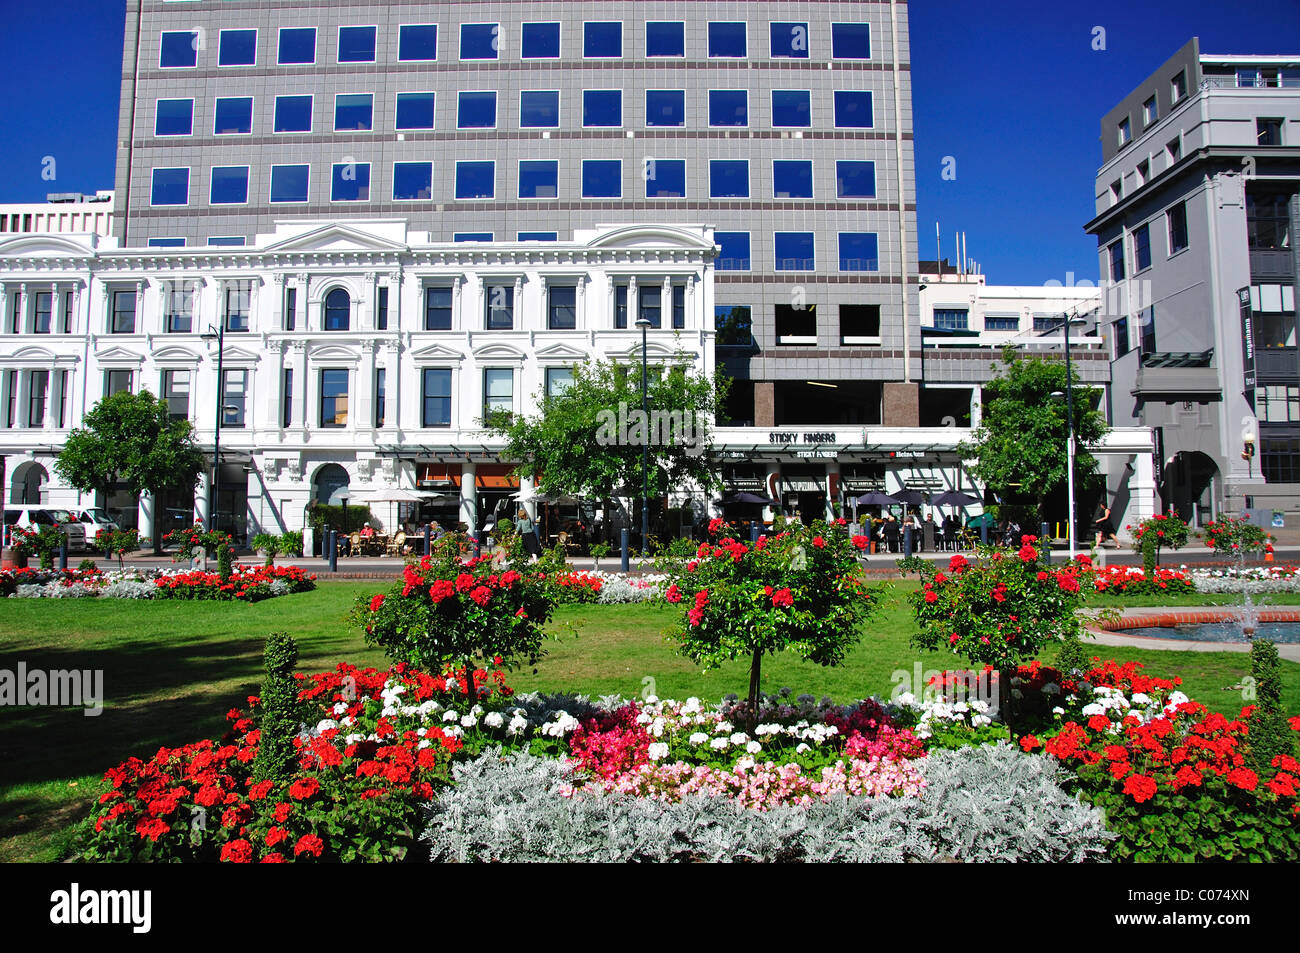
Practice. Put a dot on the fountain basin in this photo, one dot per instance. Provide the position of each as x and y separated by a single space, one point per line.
1280 632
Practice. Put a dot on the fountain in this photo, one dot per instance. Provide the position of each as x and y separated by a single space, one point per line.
1249 614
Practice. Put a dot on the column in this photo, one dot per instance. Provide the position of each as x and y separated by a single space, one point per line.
365 387
53 396
580 319
458 293
832 488
633 308
666 303
20 322
145 519
976 406
526 487
393 380
1142 490
201 495
468 501
542 321
4 308
366 307
691 318
298 351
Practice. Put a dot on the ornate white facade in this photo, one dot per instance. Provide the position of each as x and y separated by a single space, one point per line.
361 346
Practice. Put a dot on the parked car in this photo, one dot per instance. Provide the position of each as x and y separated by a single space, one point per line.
32 517
92 521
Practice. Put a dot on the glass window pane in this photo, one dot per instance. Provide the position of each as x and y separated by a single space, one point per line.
499 307
174 117
794 251
539 108
665 107
170 187
853 109
665 38
418 42
334 398
791 107
562 308
351 182
356 44
728 107
729 178
297 45
179 49
476 110
414 111
727 39
293 113
478 41
602 40
233 116
540 41
238 48
858 251
733 251
537 236
412 181
602 107
539 179
437 309
475 180
855 179
602 178
558 380
229 185
289 183
851 41
665 178
789 40
353 112
792 179
436 393
338 311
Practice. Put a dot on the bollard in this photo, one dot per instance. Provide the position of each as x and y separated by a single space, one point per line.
332 541
428 539
753 534
63 553
907 542
984 532
624 535
477 549
1045 541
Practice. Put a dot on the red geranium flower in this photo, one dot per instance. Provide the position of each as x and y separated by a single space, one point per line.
308 844
1140 788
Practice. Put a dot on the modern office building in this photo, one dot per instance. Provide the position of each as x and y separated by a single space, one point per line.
1197 213
786 127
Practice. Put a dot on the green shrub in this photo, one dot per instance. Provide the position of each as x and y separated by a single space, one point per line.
269 544
87 565
225 562
281 711
1270 732
291 542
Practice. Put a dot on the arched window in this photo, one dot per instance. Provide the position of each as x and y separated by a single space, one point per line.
331 484
338 310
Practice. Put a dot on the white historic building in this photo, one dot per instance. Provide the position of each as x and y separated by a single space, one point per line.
356 359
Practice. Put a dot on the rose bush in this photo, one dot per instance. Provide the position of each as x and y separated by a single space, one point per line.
801 590
1155 533
1236 535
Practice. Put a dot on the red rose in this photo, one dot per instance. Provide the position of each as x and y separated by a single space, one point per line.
860 542
376 602
819 543
930 596
673 594
782 597
482 595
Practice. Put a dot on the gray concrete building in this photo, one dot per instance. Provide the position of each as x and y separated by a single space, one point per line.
787 127
1197 213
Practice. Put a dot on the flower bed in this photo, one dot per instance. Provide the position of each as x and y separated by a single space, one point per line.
1255 579
246 583
1131 580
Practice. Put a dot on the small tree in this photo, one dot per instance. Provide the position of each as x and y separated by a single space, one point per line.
801 590
1156 533
117 543
131 439
269 544
1270 731
1022 437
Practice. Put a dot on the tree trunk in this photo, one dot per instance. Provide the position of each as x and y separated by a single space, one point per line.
755 668
470 693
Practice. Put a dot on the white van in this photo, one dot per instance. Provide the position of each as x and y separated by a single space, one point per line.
92 521
33 517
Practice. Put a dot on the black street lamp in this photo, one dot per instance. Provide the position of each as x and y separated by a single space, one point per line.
214 488
644 324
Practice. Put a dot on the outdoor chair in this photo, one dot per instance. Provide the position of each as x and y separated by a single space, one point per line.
354 544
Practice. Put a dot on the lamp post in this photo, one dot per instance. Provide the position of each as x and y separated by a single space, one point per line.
214 488
1067 322
644 324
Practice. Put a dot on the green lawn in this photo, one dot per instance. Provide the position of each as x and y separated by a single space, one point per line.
172 670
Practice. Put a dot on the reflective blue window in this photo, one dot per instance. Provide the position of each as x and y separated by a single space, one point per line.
851 41
222 241
853 109
728 107
733 253
727 39
665 178
602 40
354 112
791 107
602 178
356 44
174 117
475 180
540 41
855 179
789 40
794 251
792 179
238 48
539 108
471 236
858 251
539 179
233 116
602 107
289 183
665 38
179 49
229 185
729 178
414 111
297 45
418 42
350 182
478 41
170 187
476 110
293 113
166 243
412 181
538 236
665 107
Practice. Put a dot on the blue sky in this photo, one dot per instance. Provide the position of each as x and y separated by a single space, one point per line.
1012 90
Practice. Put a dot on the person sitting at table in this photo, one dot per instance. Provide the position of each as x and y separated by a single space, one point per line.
367 531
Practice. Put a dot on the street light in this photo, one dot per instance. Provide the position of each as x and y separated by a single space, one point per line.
644 324
214 488
1067 322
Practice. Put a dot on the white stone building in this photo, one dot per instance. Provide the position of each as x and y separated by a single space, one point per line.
356 358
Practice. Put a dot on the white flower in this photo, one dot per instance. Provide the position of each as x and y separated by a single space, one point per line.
494 719
744 764
658 751
1140 698
517 725
450 715
340 708
469 721
643 719
801 748
1058 710
652 699
719 743
907 700
753 747
739 738
699 738
1093 709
